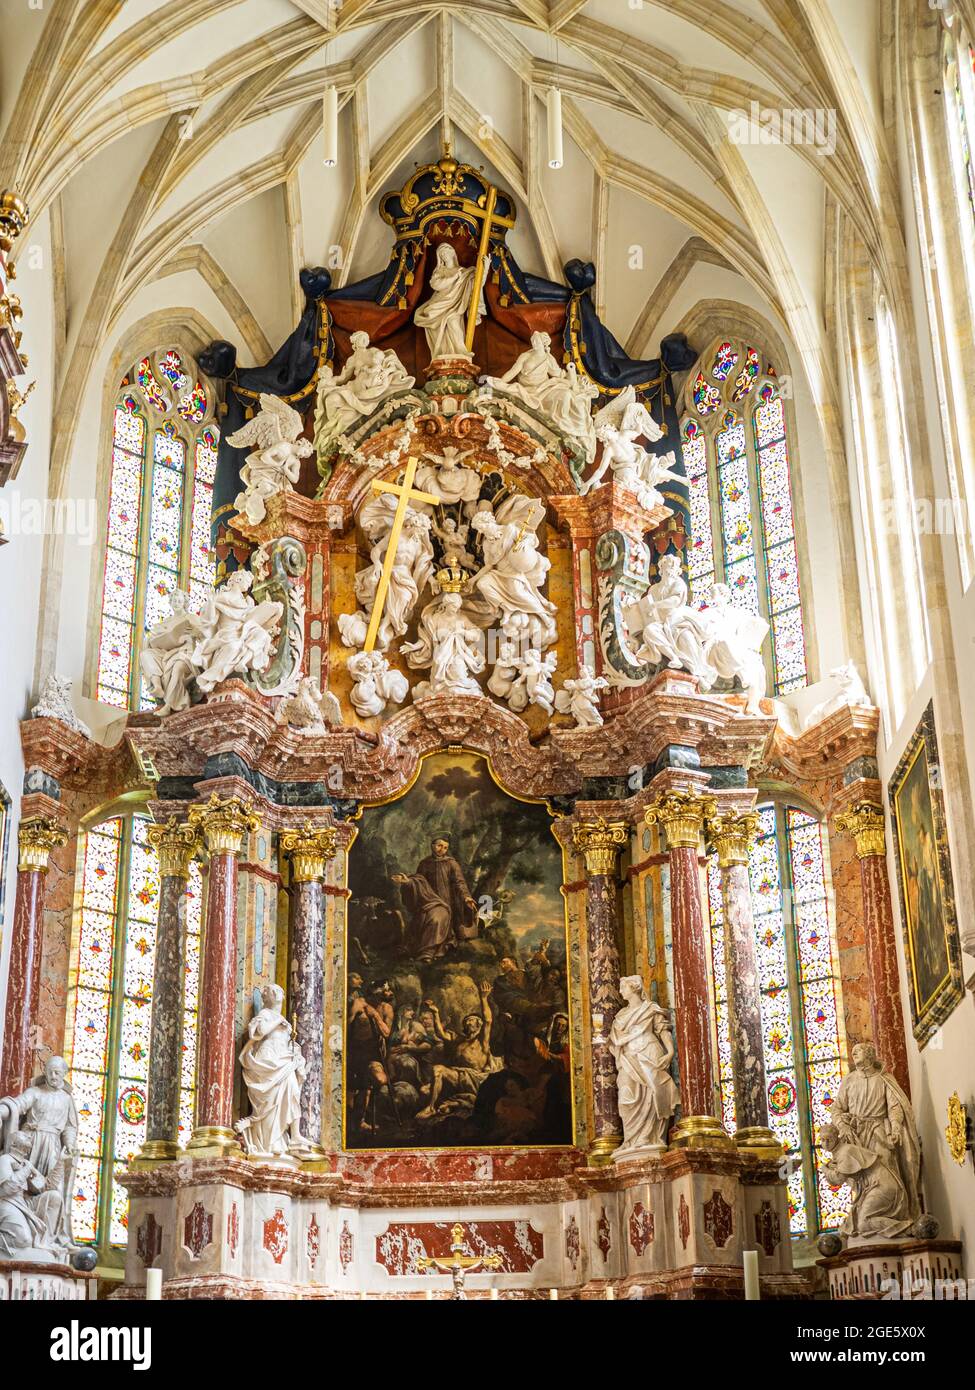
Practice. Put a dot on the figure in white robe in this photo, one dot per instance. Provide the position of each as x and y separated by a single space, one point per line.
580 698
450 645
369 375
23 1232
559 393
669 630
733 645
274 466
273 1069
513 575
643 1048
410 575
533 685
443 317
46 1118
168 667
239 632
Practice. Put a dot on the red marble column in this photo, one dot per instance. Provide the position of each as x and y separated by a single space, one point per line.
223 825
600 842
865 822
681 815
309 851
176 843
731 835
36 839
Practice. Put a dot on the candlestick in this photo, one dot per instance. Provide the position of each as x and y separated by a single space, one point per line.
610 1293
752 1286
153 1285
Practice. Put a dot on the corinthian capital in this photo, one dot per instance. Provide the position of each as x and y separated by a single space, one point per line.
865 822
681 816
600 841
35 840
309 850
732 834
224 823
176 842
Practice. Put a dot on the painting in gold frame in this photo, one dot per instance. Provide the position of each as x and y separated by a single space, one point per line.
931 942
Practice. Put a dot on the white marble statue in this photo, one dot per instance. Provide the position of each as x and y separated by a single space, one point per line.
273 1069
875 1149
167 657
39 1135
23 1233
310 710
579 698
275 463
533 684
668 628
618 425
369 375
513 574
449 645
377 685
453 543
55 703
443 317
642 1045
411 573
559 393
238 632
851 692
444 476
733 645
505 671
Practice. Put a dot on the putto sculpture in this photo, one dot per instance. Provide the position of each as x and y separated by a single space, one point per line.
275 464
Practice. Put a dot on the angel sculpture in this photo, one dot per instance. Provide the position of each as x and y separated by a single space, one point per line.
580 698
376 684
274 465
448 644
369 375
310 710
618 426
534 683
445 477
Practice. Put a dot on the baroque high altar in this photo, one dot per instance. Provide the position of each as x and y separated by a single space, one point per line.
452 745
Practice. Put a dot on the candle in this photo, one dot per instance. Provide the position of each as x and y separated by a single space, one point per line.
153 1285
429 1295
610 1293
750 1260
494 1295
553 1295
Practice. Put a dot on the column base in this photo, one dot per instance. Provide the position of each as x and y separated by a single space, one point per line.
213 1141
758 1141
601 1150
701 1132
155 1151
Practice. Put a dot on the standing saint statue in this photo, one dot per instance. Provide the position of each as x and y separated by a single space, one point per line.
643 1048
39 1132
273 1069
443 317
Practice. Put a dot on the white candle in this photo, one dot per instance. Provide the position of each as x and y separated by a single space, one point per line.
494 1295
610 1293
553 1295
752 1289
554 112
153 1285
330 127
429 1295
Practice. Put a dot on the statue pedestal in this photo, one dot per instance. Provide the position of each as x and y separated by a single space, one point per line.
19 1279
918 1268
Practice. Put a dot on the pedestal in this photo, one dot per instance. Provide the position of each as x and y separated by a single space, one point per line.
897 1269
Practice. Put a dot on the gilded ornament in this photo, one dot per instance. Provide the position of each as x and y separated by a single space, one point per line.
732 834
309 850
956 1131
35 840
14 216
176 842
600 841
865 822
682 816
224 823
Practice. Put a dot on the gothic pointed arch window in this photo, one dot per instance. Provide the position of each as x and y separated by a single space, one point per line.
735 437
800 1000
109 1016
164 455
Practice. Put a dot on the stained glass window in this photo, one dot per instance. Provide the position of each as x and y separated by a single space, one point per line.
799 991
959 92
110 1013
735 443
164 453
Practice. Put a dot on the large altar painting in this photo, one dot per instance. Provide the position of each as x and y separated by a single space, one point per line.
931 938
457 1019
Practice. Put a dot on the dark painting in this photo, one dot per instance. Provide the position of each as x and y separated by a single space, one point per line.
457 1026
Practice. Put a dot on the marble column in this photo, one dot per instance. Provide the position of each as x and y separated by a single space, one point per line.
865 822
600 842
36 839
176 843
731 834
223 825
309 850
681 816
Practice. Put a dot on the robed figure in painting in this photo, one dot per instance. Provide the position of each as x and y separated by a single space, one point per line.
439 902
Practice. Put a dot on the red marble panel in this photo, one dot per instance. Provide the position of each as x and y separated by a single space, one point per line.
402 1244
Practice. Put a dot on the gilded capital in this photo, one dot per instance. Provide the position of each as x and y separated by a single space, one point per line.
682 816
176 842
600 841
35 840
224 823
732 834
309 850
865 822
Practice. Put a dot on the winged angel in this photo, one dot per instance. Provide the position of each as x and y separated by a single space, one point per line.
274 465
618 426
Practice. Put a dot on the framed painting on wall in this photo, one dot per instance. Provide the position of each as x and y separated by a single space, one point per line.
931 941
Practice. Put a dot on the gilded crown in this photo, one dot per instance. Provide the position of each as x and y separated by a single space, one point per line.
452 579
447 188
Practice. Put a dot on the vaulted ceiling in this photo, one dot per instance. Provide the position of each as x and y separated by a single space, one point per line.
166 137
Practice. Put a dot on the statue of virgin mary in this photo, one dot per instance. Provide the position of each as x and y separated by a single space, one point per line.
443 317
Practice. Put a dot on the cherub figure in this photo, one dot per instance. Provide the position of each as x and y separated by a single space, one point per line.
580 698
618 426
275 464
310 710
533 685
376 684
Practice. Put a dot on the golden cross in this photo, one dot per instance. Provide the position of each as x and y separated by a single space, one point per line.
404 491
487 217
459 1264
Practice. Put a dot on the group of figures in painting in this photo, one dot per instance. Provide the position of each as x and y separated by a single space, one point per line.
457 1019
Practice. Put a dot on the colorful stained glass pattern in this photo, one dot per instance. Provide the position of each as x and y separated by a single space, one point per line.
706 397
725 361
700 554
719 978
745 380
734 500
161 491
778 533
